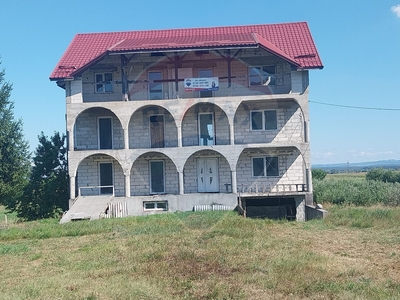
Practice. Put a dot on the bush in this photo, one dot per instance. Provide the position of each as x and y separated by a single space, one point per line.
352 191
383 175
318 174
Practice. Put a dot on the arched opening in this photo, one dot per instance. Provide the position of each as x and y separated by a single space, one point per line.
205 124
98 128
152 127
207 171
267 121
99 174
153 173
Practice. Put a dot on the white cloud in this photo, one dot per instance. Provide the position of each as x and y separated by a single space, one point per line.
396 10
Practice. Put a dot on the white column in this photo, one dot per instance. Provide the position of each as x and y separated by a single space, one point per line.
126 138
71 140
72 187
179 128
232 133
181 189
127 185
234 182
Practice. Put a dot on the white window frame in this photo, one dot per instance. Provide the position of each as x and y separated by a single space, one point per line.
150 185
98 132
262 111
213 124
162 86
264 81
156 204
265 171
103 83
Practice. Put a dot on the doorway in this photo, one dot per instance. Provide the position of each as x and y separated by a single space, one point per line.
207 175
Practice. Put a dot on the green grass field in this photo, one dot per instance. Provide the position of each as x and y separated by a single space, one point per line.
352 254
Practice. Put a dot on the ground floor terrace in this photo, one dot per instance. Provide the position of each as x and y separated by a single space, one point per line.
182 179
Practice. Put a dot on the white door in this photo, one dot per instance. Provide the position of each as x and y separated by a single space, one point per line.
207 175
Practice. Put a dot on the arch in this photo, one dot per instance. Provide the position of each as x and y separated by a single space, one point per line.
291 167
89 173
150 169
190 125
140 128
289 121
86 129
192 167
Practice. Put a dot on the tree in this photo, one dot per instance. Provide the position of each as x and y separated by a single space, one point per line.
318 174
46 194
14 150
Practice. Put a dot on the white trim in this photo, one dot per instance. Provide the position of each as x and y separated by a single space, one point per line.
198 127
263 119
155 206
264 167
98 132
103 82
151 188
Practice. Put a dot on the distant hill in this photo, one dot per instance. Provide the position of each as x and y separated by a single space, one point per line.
359 167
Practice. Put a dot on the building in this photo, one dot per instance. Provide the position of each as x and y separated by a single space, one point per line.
183 119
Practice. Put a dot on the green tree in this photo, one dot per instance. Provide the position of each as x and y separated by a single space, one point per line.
14 149
318 174
46 194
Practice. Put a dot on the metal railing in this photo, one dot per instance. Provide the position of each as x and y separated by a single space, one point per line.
96 190
273 189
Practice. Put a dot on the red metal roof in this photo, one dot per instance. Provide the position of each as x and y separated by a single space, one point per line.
290 41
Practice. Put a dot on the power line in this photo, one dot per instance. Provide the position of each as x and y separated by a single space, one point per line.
356 107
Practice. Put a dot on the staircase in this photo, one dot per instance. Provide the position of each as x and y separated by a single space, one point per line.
87 208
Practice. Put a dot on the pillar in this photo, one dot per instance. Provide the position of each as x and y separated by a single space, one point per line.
234 182
72 187
127 184
126 138
181 189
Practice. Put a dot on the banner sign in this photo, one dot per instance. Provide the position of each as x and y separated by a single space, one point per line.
201 84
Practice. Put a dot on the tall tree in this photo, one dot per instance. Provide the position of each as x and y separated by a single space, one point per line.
46 194
14 152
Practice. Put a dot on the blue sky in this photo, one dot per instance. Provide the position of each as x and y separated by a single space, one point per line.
358 41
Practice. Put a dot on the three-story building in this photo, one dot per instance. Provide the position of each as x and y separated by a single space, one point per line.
183 119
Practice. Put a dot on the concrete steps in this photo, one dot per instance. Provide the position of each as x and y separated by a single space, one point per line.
86 208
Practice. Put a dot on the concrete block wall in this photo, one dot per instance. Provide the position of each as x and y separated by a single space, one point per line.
86 130
138 75
190 174
140 176
300 209
139 128
88 175
289 124
190 125
290 171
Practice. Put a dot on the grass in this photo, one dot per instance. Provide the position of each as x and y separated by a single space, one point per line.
353 254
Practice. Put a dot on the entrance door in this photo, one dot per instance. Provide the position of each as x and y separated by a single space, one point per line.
105 133
206 129
207 175
157 131
106 178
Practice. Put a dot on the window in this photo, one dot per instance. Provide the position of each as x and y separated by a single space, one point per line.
158 205
104 83
155 88
265 166
263 120
262 75
157 177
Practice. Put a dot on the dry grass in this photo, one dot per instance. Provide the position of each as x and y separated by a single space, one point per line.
204 256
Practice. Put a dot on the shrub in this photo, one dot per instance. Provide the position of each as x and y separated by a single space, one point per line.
318 174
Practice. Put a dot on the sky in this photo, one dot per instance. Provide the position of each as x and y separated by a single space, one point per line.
354 100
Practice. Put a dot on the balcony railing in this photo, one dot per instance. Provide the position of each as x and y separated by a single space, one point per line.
278 189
